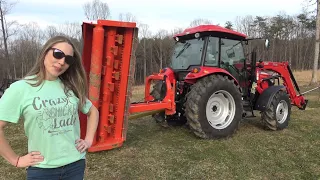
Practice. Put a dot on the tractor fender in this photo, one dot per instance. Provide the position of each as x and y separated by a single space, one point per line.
206 71
264 99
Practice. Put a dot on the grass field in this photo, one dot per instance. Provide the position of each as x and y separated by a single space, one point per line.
155 152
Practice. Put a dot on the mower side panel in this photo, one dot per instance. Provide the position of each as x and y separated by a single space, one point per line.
266 97
108 58
205 71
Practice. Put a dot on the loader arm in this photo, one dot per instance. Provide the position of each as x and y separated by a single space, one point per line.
289 82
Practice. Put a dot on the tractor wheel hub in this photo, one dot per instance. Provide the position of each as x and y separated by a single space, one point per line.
220 109
282 111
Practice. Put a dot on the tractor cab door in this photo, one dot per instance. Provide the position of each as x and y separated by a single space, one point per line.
227 54
232 59
212 52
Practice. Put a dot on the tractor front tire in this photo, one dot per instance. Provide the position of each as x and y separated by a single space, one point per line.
277 114
214 107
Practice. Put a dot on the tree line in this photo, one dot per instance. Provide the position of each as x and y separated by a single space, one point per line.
292 39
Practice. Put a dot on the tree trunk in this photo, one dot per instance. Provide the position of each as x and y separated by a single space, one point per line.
160 56
14 71
144 61
4 32
22 68
151 58
305 57
314 79
297 55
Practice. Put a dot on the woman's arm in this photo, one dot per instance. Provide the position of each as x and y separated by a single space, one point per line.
92 124
6 151
93 119
8 154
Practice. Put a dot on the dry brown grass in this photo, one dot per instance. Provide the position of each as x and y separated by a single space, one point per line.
304 77
138 93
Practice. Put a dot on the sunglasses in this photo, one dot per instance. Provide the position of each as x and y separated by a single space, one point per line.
58 54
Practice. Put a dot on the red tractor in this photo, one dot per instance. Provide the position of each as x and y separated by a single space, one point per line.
215 86
210 85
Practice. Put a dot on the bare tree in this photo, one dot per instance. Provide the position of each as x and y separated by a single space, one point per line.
26 47
314 78
176 31
145 33
127 17
159 49
244 25
96 10
71 29
292 39
200 21
50 32
5 8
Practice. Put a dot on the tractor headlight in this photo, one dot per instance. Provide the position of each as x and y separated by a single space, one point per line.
197 35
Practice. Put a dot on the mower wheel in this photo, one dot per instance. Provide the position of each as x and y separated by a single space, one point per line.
214 107
158 93
277 114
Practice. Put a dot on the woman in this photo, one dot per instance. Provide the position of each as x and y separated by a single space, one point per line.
48 100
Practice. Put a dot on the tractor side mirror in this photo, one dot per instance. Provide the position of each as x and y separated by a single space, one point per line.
267 43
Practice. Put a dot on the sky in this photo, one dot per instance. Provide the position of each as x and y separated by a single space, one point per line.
161 14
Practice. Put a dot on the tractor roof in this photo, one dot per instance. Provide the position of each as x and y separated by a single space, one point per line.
213 29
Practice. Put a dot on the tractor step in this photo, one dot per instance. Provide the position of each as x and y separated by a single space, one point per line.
247 108
247 105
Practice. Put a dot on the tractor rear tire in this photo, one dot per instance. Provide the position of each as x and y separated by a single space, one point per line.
214 107
277 115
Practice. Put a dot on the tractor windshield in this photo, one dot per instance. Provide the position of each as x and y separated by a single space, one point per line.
187 53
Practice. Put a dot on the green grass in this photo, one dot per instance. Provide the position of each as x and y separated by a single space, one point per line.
155 152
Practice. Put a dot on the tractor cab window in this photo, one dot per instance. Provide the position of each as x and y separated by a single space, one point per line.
212 53
187 53
232 57
231 51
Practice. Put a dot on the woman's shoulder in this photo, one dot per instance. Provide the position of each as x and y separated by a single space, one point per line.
23 83
17 89
18 84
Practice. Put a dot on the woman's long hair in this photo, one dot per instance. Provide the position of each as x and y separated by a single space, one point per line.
74 78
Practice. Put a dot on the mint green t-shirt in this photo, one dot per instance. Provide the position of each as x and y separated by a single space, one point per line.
51 120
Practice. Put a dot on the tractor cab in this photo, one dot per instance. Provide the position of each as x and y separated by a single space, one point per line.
209 46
